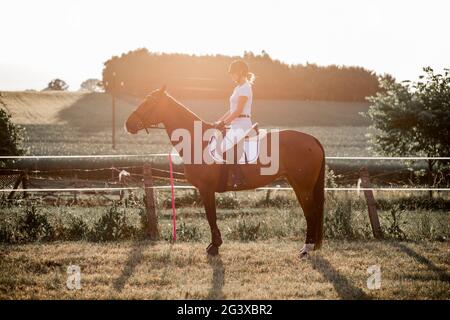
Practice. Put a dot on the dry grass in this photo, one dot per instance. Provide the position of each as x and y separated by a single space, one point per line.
39 107
256 270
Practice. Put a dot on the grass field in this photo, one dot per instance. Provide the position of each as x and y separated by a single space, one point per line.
258 270
258 259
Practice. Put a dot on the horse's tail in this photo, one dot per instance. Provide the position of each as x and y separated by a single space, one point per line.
319 199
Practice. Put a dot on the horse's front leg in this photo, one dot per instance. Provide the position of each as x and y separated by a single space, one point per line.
209 200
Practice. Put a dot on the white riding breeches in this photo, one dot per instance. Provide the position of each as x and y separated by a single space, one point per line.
237 130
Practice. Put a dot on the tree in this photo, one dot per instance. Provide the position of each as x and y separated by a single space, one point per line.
205 76
57 85
11 135
412 118
92 85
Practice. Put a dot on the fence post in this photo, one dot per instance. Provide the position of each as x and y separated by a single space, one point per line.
371 204
16 186
25 183
268 192
152 231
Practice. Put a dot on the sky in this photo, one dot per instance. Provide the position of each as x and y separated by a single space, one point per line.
45 39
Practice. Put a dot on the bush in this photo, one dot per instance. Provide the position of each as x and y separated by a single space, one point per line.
395 224
77 229
227 202
12 136
112 226
34 226
245 230
187 200
412 118
188 232
8 232
338 220
414 203
279 201
330 178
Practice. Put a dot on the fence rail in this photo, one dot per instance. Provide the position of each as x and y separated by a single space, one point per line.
111 156
192 187
176 155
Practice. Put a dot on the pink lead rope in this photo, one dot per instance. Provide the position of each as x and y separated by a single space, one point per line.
174 210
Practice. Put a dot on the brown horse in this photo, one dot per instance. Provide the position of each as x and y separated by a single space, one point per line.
301 161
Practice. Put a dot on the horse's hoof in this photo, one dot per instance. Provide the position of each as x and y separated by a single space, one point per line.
212 250
303 255
304 252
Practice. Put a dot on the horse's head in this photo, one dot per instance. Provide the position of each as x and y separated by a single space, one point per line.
149 113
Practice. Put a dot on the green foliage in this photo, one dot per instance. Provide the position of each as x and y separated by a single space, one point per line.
395 224
346 218
12 136
227 201
185 200
338 220
34 226
244 230
412 118
77 229
57 85
414 203
186 232
92 85
144 223
330 178
278 201
112 226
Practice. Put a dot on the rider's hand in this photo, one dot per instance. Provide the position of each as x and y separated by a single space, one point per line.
219 125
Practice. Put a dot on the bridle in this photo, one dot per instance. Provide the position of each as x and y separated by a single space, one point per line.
142 117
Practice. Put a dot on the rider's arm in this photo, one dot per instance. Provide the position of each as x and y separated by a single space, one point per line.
224 116
242 100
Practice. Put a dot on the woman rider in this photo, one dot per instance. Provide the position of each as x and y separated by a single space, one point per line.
238 117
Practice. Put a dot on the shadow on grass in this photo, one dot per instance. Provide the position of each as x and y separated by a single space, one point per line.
343 286
218 278
92 112
441 272
134 258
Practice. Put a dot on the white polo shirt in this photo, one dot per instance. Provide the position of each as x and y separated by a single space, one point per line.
243 90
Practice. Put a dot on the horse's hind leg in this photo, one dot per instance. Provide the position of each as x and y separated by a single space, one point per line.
209 200
305 197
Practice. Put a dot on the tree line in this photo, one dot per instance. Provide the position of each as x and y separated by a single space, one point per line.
193 76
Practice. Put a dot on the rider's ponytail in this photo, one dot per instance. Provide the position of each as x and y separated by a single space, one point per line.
251 77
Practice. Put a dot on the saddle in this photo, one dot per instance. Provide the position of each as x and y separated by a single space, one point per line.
248 154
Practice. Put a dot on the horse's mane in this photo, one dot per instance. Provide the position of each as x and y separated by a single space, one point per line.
186 111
